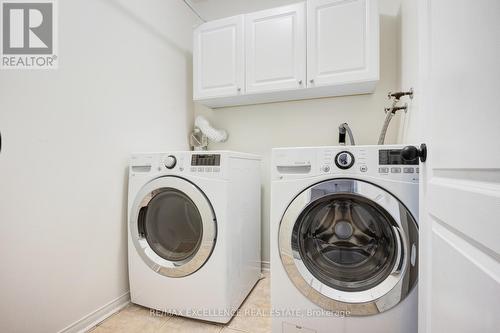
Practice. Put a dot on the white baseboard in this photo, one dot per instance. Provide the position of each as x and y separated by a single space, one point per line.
94 318
266 267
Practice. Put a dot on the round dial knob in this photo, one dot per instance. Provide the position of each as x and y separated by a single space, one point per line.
170 162
344 160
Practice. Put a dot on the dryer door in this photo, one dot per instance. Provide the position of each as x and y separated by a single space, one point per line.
173 226
350 245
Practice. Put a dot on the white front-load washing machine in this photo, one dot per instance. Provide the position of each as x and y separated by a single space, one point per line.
344 240
194 231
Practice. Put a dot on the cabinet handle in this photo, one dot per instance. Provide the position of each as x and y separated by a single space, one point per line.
300 82
311 80
239 89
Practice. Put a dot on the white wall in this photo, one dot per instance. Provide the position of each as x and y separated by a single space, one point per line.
123 85
410 129
258 128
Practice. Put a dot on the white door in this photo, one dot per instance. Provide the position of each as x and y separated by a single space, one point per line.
342 41
275 48
218 63
459 288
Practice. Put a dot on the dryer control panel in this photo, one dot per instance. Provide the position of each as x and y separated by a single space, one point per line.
205 160
182 163
203 164
371 161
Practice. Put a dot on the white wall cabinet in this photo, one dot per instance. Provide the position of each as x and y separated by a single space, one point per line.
275 49
218 58
320 48
342 41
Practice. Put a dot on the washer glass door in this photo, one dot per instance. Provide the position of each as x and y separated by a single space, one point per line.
349 244
173 226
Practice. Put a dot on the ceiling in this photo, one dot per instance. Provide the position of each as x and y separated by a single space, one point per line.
215 9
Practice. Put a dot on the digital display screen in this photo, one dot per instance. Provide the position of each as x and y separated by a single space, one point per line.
393 157
205 160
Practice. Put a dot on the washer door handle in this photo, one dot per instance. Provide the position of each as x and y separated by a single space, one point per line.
401 253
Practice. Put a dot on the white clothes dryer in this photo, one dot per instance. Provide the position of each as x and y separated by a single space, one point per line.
194 231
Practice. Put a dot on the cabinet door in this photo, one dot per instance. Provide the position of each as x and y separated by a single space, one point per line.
218 63
275 48
342 41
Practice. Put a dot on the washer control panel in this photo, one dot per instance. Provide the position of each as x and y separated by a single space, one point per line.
370 161
393 157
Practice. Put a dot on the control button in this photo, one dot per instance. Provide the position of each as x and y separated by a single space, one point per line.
344 160
395 170
325 168
200 169
408 170
208 169
170 162
363 168
383 170
417 170
216 169
193 169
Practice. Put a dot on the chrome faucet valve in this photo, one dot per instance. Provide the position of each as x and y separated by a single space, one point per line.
397 95
397 108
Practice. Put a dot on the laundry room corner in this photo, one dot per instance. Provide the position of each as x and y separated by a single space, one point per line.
313 122
249 166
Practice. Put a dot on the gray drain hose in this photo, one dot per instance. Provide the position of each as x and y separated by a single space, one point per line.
387 121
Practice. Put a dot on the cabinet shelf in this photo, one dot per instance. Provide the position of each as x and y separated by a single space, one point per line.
322 48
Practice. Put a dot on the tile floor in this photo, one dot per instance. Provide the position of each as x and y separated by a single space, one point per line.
253 317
